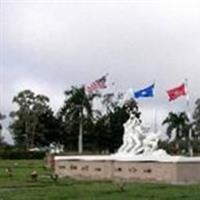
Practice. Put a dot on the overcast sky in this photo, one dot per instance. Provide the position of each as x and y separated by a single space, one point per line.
47 46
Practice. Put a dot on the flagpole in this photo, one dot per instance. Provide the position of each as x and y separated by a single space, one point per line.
189 116
155 120
187 99
155 110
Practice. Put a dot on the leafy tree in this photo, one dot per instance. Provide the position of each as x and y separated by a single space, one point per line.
108 101
32 119
179 124
2 117
109 128
196 117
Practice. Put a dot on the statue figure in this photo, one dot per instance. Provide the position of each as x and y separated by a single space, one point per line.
132 135
128 133
136 140
150 143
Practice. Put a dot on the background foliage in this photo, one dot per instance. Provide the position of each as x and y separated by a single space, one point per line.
34 124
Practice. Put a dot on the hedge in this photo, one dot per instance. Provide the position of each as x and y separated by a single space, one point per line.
21 154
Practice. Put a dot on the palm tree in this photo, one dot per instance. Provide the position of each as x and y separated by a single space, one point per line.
178 123
78 105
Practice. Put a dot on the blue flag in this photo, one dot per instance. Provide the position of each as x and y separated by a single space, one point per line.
146 92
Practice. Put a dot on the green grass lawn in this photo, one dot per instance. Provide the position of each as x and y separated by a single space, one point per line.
21 187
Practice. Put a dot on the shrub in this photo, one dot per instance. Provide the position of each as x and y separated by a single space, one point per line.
20 154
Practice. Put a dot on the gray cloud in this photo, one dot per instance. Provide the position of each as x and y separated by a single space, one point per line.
48 46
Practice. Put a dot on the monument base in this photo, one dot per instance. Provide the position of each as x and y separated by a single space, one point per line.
171 169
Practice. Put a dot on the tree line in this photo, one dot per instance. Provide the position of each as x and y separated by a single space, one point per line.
79 126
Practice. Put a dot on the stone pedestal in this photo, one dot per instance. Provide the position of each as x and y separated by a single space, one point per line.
176 170
49 161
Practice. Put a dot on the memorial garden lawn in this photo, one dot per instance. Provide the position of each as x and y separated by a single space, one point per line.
20 186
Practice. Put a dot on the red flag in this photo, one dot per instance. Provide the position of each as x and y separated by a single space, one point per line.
176 92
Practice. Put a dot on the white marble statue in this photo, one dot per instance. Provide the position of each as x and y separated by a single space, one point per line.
137 141
128 137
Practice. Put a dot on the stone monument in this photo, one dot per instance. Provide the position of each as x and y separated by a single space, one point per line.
137 159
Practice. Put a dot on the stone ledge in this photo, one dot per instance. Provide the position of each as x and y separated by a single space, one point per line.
88 168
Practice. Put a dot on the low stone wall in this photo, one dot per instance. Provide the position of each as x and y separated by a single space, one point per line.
188 172
168 172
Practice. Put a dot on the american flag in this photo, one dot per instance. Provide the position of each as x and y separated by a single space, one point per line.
96 85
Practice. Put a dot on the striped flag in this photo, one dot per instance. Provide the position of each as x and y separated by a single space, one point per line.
96 85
